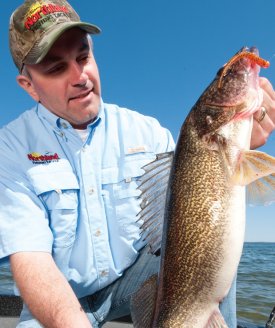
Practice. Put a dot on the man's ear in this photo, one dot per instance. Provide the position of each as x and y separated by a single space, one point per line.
26 83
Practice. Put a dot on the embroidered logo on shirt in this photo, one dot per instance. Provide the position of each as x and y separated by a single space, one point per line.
37 158
138 149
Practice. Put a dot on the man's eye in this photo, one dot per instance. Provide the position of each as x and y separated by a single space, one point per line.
55 69
83 58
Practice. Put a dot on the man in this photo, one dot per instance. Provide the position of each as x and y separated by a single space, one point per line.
68 177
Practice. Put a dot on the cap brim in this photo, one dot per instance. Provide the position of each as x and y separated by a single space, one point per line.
40 49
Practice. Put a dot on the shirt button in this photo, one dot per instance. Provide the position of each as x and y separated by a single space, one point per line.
103 273
98 233
91 191
65 125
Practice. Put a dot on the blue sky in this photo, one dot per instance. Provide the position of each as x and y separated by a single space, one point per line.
157 57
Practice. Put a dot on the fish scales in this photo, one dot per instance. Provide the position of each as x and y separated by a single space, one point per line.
191 269
203 210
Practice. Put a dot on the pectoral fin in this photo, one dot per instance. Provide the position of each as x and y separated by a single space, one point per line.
256 170
262 191
251 166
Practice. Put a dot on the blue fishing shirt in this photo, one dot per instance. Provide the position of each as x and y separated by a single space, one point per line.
76 200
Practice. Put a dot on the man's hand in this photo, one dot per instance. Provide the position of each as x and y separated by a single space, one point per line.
263 125
46 291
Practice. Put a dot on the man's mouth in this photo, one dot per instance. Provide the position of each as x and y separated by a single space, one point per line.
81 95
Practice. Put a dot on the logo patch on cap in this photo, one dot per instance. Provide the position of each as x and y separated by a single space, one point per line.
39 14
37 24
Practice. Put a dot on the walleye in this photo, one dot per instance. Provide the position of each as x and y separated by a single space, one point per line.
204 217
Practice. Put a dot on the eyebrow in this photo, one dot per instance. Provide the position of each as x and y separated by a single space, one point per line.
54 58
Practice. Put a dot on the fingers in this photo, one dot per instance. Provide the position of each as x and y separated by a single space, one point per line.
267 87
261 114
259 135
268 98
264 119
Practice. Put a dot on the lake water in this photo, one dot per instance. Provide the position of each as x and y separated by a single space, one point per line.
255 283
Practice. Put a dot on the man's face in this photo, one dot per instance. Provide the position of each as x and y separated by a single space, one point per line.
67 80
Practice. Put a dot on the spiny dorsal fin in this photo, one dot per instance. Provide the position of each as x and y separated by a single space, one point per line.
143 303
153 186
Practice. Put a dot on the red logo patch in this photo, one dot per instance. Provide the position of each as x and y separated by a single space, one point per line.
37 158
43 11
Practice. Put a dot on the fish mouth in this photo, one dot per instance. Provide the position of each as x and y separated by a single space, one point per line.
252 49
244 60
239 80
249 58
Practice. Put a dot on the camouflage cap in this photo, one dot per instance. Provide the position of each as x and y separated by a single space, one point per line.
37 24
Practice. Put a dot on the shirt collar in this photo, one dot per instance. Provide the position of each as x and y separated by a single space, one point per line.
59 123
44 113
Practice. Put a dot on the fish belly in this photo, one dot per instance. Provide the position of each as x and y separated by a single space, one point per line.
233 239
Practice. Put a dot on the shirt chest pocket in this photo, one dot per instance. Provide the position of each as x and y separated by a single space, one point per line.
121 194
59 192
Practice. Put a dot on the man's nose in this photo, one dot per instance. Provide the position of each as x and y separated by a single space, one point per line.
78 77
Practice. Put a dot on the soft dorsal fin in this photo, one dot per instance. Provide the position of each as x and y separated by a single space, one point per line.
153 186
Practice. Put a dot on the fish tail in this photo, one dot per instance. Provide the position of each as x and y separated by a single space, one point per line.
216 321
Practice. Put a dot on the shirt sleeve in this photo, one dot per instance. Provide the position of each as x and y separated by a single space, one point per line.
23 218
162 140
167 142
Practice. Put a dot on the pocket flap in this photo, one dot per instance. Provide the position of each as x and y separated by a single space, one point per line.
66 200
130 168
59 179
